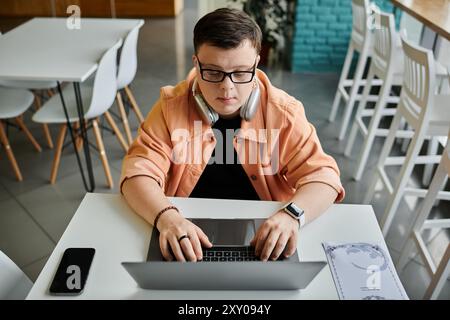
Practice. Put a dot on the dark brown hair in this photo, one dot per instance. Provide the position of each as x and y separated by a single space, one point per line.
226 28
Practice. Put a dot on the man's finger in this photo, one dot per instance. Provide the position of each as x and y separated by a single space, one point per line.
176 249
269 245
203 238
279 247
188 251
261 239
164 246
196 245
290 246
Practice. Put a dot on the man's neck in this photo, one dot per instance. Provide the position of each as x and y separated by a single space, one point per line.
230 116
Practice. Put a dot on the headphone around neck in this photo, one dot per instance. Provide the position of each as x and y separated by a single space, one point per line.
247 111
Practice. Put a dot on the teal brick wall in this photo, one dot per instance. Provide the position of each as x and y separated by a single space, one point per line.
322 32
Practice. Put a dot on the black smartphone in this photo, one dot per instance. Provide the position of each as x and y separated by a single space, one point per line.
73 270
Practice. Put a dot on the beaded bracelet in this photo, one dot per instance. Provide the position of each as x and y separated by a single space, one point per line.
161 212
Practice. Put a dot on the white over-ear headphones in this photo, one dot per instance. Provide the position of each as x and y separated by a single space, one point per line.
247 112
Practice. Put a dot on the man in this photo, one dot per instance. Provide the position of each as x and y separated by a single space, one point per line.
275 153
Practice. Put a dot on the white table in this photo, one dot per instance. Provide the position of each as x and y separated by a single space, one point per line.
46 49
106 223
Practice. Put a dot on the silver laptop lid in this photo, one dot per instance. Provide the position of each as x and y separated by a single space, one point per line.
223 275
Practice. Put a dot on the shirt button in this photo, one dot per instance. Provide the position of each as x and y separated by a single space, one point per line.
253 177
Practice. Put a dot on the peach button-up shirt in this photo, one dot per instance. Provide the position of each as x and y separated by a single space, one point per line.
278 148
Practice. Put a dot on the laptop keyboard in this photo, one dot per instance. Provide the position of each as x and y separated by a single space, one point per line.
220 254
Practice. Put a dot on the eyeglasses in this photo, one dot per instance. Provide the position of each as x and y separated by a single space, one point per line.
216 76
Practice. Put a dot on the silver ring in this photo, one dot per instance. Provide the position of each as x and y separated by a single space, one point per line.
182 237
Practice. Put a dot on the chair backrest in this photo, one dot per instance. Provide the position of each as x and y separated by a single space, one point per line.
384 41
128 59
417 96
14 284
105 83
360 14
446 155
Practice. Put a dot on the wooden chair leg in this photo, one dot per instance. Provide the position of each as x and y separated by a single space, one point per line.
78 139
123 115
134 104
27 132
101 149
118 134
47 134
58 151
9 153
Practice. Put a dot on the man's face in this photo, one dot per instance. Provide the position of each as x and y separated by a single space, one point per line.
226 97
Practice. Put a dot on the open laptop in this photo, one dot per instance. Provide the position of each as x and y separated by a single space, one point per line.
229 265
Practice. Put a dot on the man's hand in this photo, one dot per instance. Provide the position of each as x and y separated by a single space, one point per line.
277 235
172 227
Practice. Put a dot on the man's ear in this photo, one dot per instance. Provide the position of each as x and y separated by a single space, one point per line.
257 60
194 61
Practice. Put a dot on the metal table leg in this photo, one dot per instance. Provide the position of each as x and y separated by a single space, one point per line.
87 155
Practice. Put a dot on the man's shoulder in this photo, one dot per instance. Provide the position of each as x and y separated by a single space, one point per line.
278 100
178 91
281 103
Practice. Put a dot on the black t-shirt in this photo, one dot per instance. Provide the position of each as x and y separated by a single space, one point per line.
225 180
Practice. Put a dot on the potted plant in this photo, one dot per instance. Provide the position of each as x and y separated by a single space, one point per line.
276 20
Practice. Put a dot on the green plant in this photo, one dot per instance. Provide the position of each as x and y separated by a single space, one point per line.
275 18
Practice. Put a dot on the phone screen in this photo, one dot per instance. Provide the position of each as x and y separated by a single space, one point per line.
73 270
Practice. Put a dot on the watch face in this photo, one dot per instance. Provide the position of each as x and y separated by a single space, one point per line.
293 209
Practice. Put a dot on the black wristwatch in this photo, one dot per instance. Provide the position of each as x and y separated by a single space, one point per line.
295 212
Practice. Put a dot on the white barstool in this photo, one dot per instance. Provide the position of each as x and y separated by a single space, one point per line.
361 41
387 65
427 114
442 271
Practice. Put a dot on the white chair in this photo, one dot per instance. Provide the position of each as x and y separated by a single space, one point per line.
387 65
14 284
97 99
36 87
442 271
427 114
13 103
361 41
125 75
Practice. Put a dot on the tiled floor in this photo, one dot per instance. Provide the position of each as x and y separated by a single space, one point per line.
34 214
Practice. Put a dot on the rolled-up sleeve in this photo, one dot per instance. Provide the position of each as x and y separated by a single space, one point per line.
149 154
302 158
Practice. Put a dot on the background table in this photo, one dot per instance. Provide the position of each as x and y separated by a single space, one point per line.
435 14
46 49
106 223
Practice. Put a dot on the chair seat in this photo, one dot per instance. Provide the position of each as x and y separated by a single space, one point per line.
52 111
25 84
14 102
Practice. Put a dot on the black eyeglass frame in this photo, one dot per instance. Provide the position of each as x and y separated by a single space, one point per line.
227 74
